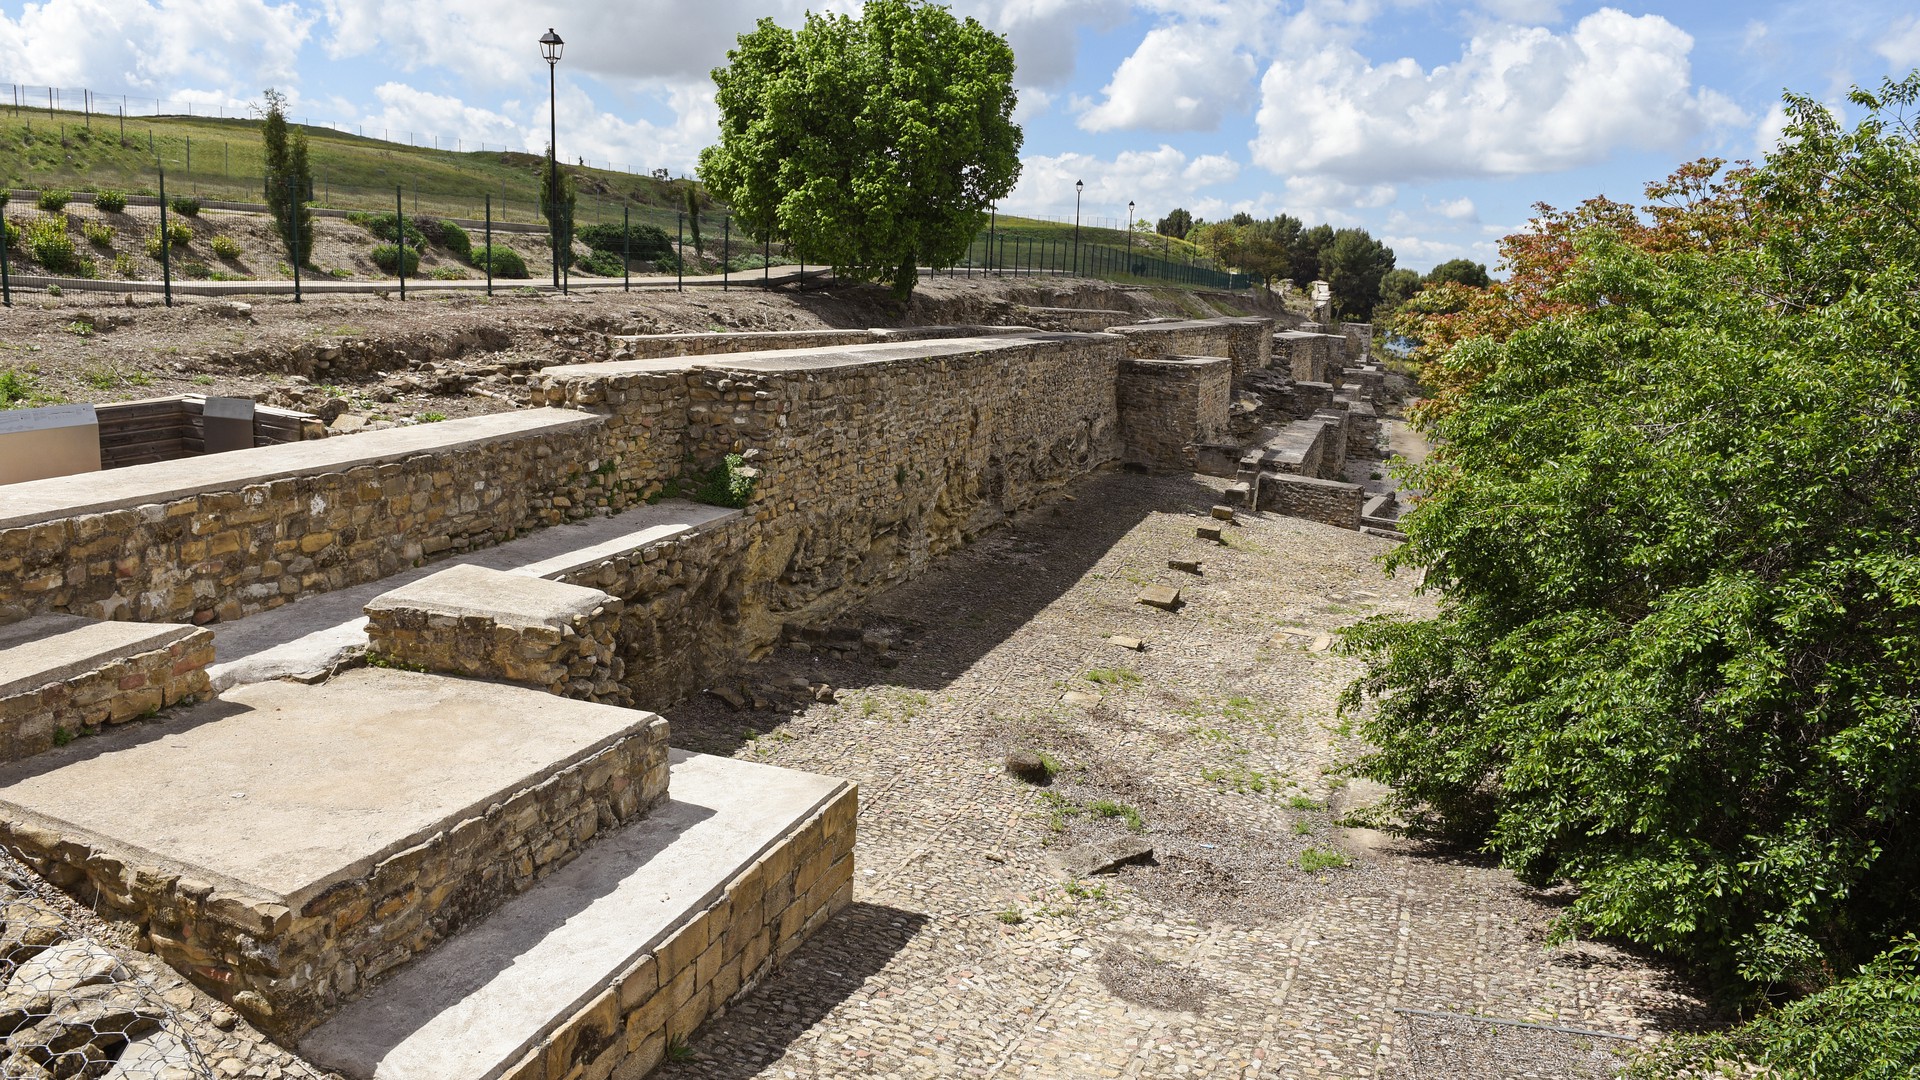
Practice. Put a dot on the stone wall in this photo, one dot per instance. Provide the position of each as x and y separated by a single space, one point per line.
1329 502
36 720
490 624
1311 397
287 962
1359 341
1363 430
1248 342
719 955
1170 406
654 346
230 534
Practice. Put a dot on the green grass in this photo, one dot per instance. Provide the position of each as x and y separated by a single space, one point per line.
1011 916
1107 808
1313 860
1115 676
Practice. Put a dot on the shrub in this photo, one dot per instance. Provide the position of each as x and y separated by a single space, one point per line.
649 242
48 243
447 235
447 273
184 204
53 200
198 271
123 266
226 247
111 202
99 234
387 257
730 483
506 262
13 235
604 264
384 227
179 234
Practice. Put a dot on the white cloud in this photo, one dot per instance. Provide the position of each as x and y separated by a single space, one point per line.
1772 127
1460 209
1156 181
1520 100
1423 253
1525 12
1900 44
1182 77
205 51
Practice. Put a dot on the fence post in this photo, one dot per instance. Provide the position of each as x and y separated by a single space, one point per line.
766 260
726 252
489 243
993 223
166 242
400 235
293 188
626 247
6 283
680 250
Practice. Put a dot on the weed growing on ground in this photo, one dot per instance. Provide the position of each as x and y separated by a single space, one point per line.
1080 890
1113 676
111 377
1301 802
1011 916
1241 779
1313 860
1107 808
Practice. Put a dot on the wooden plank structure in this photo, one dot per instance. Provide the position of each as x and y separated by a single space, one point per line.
163 429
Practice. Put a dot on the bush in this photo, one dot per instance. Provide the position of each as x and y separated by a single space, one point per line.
53 200
387 257
99 234
603 264
506 262
184 204
48 243
198 271
123 266
13 235
730 483
226 247
649 242
111 202
179 233
384 227
447 273
447 235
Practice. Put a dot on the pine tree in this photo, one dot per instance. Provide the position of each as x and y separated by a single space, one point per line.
289 180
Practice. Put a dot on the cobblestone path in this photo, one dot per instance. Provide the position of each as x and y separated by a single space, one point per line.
966 953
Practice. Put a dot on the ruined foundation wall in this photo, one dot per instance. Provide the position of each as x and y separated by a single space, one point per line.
1170 407
1329 502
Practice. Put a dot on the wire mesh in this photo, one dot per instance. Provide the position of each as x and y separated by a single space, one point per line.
72 1000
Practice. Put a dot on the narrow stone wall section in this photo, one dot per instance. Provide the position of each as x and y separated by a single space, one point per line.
1329 502
1170 407
36 720
490 624
722 953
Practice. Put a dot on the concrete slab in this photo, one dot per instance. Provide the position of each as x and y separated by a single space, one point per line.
52 648
823 357
498 596
475 1006
308 638
282 789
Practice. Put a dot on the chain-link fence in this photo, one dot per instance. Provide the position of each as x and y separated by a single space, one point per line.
74 1003
1450 1046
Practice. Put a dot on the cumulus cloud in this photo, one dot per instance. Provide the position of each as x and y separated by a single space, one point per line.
1525 12
1460 209
1520 100
206 51
1156 181
1182 77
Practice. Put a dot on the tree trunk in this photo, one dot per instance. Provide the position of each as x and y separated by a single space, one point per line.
904 279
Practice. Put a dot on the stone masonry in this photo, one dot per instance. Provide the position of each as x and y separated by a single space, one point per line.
489 624
36 718
1171 406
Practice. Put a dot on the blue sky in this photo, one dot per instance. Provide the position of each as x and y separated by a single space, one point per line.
1435 126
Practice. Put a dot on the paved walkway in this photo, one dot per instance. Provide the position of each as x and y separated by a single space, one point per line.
966 954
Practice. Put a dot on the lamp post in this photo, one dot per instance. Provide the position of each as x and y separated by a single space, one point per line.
1078 187
1129 236
550 46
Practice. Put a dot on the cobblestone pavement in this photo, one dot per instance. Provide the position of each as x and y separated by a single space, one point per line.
1241 952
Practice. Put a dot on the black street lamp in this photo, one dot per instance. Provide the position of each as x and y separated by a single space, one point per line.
550 46
1129 236
1078 187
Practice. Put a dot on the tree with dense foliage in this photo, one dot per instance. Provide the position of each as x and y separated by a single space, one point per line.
873 144
1397 287
1175 224
1304 259
1354 264
1674 522
289 180
1460 272
558 210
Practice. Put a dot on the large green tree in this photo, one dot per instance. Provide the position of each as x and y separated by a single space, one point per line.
289 180
873 144
1353 264
1674 522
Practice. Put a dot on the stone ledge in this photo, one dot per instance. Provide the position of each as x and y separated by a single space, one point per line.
53 648
166 481
637 942
67 676
324 835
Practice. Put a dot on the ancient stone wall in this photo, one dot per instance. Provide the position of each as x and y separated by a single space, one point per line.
655 346
1329 502
38 719
1170 406
1359 341
1248 342
326 947
222 537
720 954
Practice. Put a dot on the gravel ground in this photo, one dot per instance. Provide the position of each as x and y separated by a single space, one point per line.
1266 939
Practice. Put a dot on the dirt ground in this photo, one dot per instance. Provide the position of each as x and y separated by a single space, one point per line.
455 354
1273 933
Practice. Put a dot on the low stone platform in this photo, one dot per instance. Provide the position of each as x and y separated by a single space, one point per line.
594 970
61 675
285 843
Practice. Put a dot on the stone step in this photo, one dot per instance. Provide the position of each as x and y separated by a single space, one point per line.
285 844
632 944
316 634
62 675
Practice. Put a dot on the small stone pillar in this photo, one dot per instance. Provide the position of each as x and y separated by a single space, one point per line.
490 624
